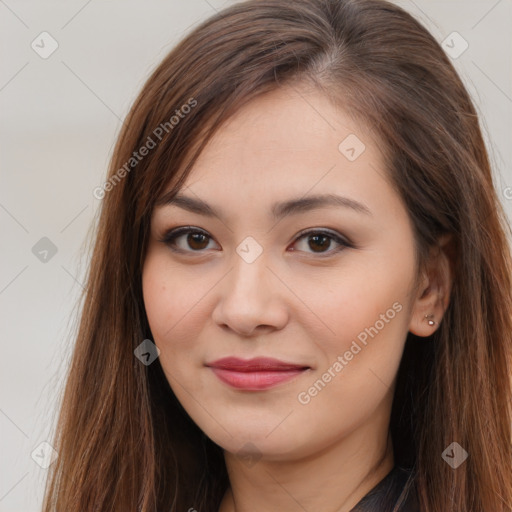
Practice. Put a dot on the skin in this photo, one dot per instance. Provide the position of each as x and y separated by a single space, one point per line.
304 305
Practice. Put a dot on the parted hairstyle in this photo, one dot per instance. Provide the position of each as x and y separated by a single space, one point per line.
124 442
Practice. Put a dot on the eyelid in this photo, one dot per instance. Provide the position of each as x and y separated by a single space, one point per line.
174 233
332 233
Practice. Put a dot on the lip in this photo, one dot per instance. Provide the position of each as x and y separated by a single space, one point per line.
255 374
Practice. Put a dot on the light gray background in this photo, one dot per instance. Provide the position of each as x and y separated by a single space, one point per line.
60 118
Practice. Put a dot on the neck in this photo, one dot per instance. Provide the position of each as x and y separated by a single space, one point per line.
334 479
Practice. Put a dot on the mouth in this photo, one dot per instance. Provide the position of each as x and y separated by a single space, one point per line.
255 374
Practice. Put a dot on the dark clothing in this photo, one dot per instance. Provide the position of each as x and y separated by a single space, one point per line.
395 493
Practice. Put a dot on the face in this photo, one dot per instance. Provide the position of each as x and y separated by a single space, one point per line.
322 288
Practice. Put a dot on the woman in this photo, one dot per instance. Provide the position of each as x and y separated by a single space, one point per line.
299 296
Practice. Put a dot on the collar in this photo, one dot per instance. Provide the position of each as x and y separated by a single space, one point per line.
394 493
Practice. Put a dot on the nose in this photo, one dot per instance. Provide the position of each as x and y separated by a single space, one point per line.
251 299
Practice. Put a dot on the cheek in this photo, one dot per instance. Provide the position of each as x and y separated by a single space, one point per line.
358 365
175 309
366 324
166 294
159 303
358 304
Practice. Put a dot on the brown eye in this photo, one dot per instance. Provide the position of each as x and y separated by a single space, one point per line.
193 240
196 240
319 242
186 239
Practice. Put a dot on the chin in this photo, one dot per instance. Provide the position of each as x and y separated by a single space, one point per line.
257 443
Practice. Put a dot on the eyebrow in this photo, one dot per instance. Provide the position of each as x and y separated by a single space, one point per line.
278 209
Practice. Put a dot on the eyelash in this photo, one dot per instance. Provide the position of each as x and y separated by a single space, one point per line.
170 237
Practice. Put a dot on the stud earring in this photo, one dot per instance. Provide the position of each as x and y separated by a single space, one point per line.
430 321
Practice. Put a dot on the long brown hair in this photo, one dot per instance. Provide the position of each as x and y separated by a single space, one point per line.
124 441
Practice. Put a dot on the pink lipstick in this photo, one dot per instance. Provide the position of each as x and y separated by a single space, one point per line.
255 374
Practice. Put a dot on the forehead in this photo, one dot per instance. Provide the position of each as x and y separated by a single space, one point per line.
288 144
291 139
290 124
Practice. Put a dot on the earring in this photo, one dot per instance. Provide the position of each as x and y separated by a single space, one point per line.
430 322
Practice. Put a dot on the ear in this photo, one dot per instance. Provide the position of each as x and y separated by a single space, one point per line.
435 288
